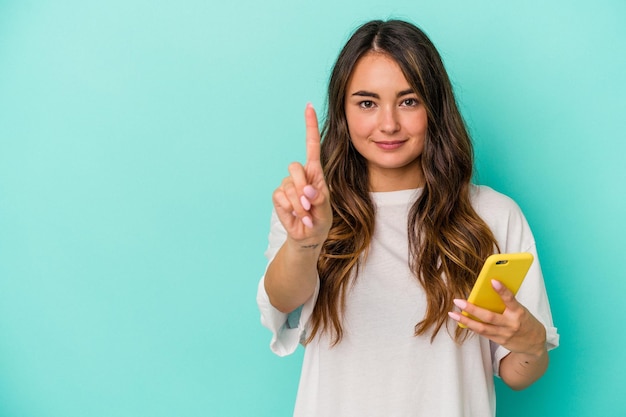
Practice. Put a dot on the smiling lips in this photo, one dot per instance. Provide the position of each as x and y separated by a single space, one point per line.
390 145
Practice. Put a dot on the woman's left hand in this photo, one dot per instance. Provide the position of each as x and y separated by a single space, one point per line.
516 329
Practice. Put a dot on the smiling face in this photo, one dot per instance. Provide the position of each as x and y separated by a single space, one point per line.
387 122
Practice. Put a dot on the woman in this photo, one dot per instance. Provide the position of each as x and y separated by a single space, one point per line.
376 241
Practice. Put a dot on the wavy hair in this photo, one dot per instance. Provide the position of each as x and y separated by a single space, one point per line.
448 241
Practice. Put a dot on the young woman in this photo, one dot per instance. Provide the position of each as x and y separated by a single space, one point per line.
376 241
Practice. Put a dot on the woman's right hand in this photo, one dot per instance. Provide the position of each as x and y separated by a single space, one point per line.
302 201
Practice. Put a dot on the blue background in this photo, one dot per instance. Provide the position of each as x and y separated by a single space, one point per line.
140 142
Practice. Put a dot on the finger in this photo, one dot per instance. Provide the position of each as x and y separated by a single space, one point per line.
479 320
467 322
310 192
477 313
460 319
281 201
298 176
498 334
294 196
285 209
312 136
507 296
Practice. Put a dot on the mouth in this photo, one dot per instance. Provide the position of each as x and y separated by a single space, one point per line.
389 145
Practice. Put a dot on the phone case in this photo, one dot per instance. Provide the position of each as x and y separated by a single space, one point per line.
508 268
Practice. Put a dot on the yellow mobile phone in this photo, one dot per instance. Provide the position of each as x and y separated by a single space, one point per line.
508 268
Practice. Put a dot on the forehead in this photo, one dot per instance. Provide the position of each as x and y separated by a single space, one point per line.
377 71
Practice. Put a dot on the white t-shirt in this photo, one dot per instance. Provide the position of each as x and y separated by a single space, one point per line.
380 368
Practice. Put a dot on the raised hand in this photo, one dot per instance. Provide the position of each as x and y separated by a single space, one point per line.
302 200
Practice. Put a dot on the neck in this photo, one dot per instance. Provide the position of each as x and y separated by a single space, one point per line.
396 180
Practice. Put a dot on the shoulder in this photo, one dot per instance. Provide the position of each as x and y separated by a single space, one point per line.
503 216
488 200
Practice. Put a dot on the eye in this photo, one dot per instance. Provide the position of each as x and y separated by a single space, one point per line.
409 102
366 104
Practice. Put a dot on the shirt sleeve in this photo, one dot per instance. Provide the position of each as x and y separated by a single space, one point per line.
513 234
532 295
288 329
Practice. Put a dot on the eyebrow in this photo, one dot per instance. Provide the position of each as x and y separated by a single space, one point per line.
362 93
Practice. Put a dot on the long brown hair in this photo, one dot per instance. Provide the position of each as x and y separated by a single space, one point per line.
448 241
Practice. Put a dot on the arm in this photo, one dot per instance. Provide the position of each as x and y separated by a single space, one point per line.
517 330
302 204
520 370
291 277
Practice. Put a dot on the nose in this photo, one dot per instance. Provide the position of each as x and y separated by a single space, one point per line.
388 123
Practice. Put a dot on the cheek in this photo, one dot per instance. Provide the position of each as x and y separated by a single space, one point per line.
422 122
416 126
358 126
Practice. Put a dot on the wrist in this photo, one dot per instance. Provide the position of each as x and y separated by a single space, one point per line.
312 244
535 354
304 253
537 350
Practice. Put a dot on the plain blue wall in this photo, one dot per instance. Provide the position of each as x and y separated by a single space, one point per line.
140 142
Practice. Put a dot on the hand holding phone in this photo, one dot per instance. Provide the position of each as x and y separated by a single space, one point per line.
508 268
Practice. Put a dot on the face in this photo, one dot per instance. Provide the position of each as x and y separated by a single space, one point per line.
387 122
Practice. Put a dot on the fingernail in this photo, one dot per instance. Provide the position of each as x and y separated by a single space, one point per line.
454 316
294 214
310 191
306 220
306 204
460 303
497 285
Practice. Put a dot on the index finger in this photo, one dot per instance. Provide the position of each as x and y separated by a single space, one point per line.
312 135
